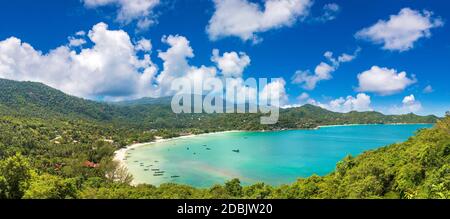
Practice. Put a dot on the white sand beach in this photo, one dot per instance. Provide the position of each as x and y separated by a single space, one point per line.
120 154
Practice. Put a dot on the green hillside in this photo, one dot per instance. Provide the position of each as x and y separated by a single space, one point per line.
40 101
53 145
417 168
37 164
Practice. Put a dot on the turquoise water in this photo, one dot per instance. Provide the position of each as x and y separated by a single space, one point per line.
271 157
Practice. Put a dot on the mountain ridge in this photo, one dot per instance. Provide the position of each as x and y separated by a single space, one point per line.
39 100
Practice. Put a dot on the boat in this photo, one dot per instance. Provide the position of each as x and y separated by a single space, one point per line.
175 176
208 149
236 151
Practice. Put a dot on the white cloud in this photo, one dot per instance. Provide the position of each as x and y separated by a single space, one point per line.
360 103
309 81
408 100
330 12
109 69
274 90
144 23
401 31
303 97
288 106
231 64
76 42
80 33
322 71
144 45
115 68
176 65
383 81
428 89
244 93
409 105
129 10
244 19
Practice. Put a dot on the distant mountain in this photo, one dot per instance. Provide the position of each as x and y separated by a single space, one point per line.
38 100
320 115
144 101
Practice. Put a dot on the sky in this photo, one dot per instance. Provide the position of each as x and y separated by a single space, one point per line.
391 56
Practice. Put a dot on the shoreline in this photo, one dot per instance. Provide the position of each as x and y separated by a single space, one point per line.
356 124
120 155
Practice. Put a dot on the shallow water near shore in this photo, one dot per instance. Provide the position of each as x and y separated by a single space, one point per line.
272 157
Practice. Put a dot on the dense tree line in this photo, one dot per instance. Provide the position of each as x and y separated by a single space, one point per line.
57 146
417 168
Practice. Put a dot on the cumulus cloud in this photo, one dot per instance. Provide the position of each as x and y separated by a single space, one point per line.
322 71
129 10
76 42
384 81
144 45
176 65
109 69
116 68
274 90
409 105
231 64
244 19
309 80
401 31
361 103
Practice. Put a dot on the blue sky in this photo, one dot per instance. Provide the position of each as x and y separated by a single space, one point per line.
277 48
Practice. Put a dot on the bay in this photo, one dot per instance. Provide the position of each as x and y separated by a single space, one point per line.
275 158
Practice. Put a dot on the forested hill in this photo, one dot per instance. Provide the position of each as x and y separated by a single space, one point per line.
53 145
37 100
418 168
